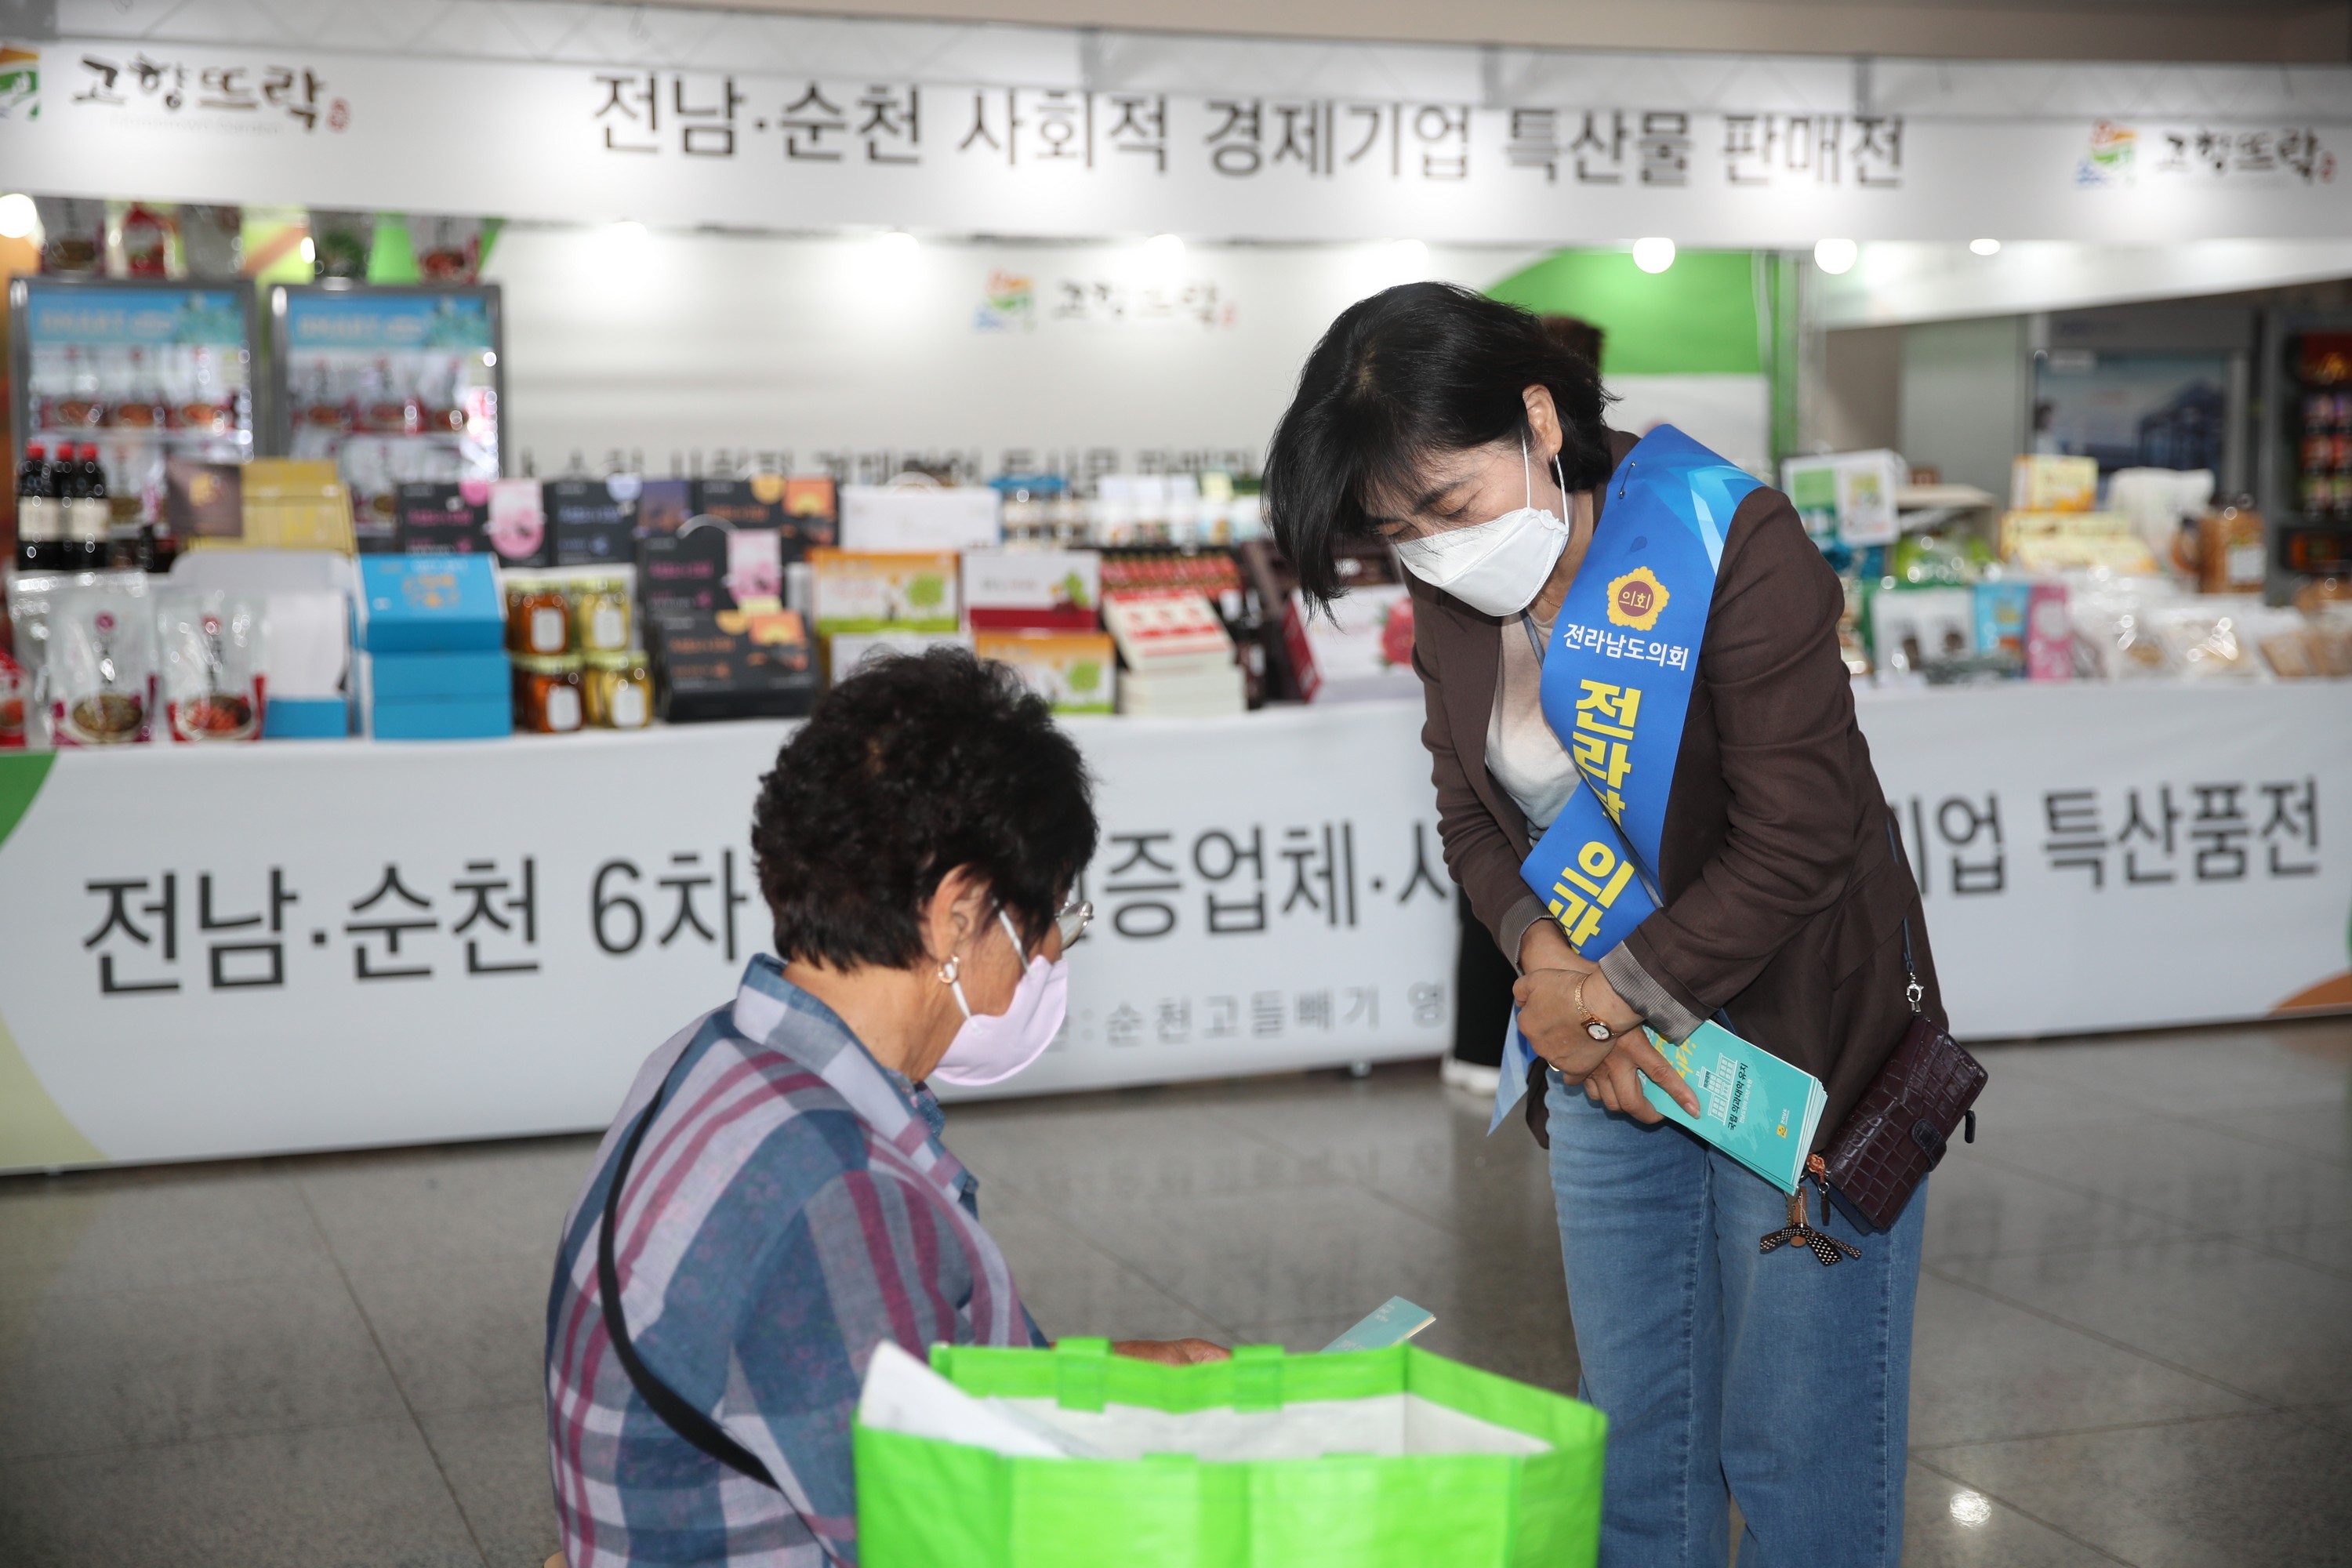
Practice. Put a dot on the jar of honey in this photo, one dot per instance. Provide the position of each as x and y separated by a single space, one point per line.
620 690
547 693
538 618
600 614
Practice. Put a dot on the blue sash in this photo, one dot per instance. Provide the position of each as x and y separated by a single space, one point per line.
1617 678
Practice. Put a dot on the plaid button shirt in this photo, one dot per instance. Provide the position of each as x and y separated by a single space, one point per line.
791 1207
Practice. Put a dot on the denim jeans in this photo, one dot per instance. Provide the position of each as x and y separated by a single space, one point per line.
1721 1367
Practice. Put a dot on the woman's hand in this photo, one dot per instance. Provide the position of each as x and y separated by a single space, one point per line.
1616 1083
1554 1028
1172 1353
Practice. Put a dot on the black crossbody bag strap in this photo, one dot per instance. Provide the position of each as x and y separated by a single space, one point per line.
680 1417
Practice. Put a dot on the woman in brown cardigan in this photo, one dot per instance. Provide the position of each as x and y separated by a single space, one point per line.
1449 424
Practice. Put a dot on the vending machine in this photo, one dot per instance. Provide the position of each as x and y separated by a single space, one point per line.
396 383
145 370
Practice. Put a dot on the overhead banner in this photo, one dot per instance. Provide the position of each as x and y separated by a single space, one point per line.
561 141
278 947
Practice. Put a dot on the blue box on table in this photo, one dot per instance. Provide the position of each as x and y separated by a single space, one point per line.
429 604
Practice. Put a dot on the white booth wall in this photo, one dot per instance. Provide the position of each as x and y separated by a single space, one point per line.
667 342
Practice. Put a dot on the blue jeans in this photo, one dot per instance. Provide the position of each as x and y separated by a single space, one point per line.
1719 1366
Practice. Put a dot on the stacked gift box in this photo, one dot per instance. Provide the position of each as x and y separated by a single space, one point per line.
431 634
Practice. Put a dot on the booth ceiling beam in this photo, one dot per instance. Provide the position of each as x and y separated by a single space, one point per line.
780 42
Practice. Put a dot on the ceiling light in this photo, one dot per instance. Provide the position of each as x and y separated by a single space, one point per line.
1408 258
1654 254
1835 256
1985 247
17 215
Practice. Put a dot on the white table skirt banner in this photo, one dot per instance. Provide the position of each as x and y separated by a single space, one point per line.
272 948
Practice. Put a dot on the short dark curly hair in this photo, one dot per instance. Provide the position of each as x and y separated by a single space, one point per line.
915 766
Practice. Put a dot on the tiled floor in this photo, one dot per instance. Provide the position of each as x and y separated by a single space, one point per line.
2134 1334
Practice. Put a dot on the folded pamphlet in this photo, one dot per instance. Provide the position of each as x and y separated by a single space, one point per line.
1753 1106
1391 1322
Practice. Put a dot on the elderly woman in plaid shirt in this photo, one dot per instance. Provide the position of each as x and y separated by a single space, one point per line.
774 1201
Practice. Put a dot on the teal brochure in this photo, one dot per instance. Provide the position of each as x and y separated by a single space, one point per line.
1753 1106
1391 1322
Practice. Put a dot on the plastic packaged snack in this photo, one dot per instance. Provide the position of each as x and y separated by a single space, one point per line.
99 669
2329 637
2209 641
2115 629
209 666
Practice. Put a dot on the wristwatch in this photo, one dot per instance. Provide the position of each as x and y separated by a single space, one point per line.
1593 1027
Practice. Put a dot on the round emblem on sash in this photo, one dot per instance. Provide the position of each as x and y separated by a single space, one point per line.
1636 599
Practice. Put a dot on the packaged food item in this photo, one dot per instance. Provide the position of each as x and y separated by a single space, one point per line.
1846 497
1037 590
2328 632
2231 548
2049 633
812 506
863 591
600 616
1074 671
519 524
441 517
2002 610
210 666
908 517
101 665
1913 628
73 236
2287 648
15 692
619 690
340 243
214 240
448 249
2115 629
593 523
1363 649
664 506
538 618
2044 481
547 695
2208 641
142 240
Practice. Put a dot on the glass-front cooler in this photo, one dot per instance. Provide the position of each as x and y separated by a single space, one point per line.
143 370
397 385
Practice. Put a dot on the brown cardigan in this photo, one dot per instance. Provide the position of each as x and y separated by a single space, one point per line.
1785 899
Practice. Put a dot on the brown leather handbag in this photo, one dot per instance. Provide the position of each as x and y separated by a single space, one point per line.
1905 1122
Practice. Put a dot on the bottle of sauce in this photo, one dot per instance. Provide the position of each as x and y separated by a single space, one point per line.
40 525
90 520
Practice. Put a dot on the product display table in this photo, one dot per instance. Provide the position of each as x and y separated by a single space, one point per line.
311 945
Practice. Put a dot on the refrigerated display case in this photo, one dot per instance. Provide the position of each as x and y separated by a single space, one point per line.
143 370
2307 453
397 385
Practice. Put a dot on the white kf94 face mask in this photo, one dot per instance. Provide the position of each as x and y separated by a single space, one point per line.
991 1046
1497 567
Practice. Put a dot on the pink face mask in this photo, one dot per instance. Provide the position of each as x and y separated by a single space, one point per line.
991 1046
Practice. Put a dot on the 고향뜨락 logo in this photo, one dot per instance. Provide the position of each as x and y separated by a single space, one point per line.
20 83
1637 599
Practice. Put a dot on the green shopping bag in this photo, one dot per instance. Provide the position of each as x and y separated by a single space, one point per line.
1532 1497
